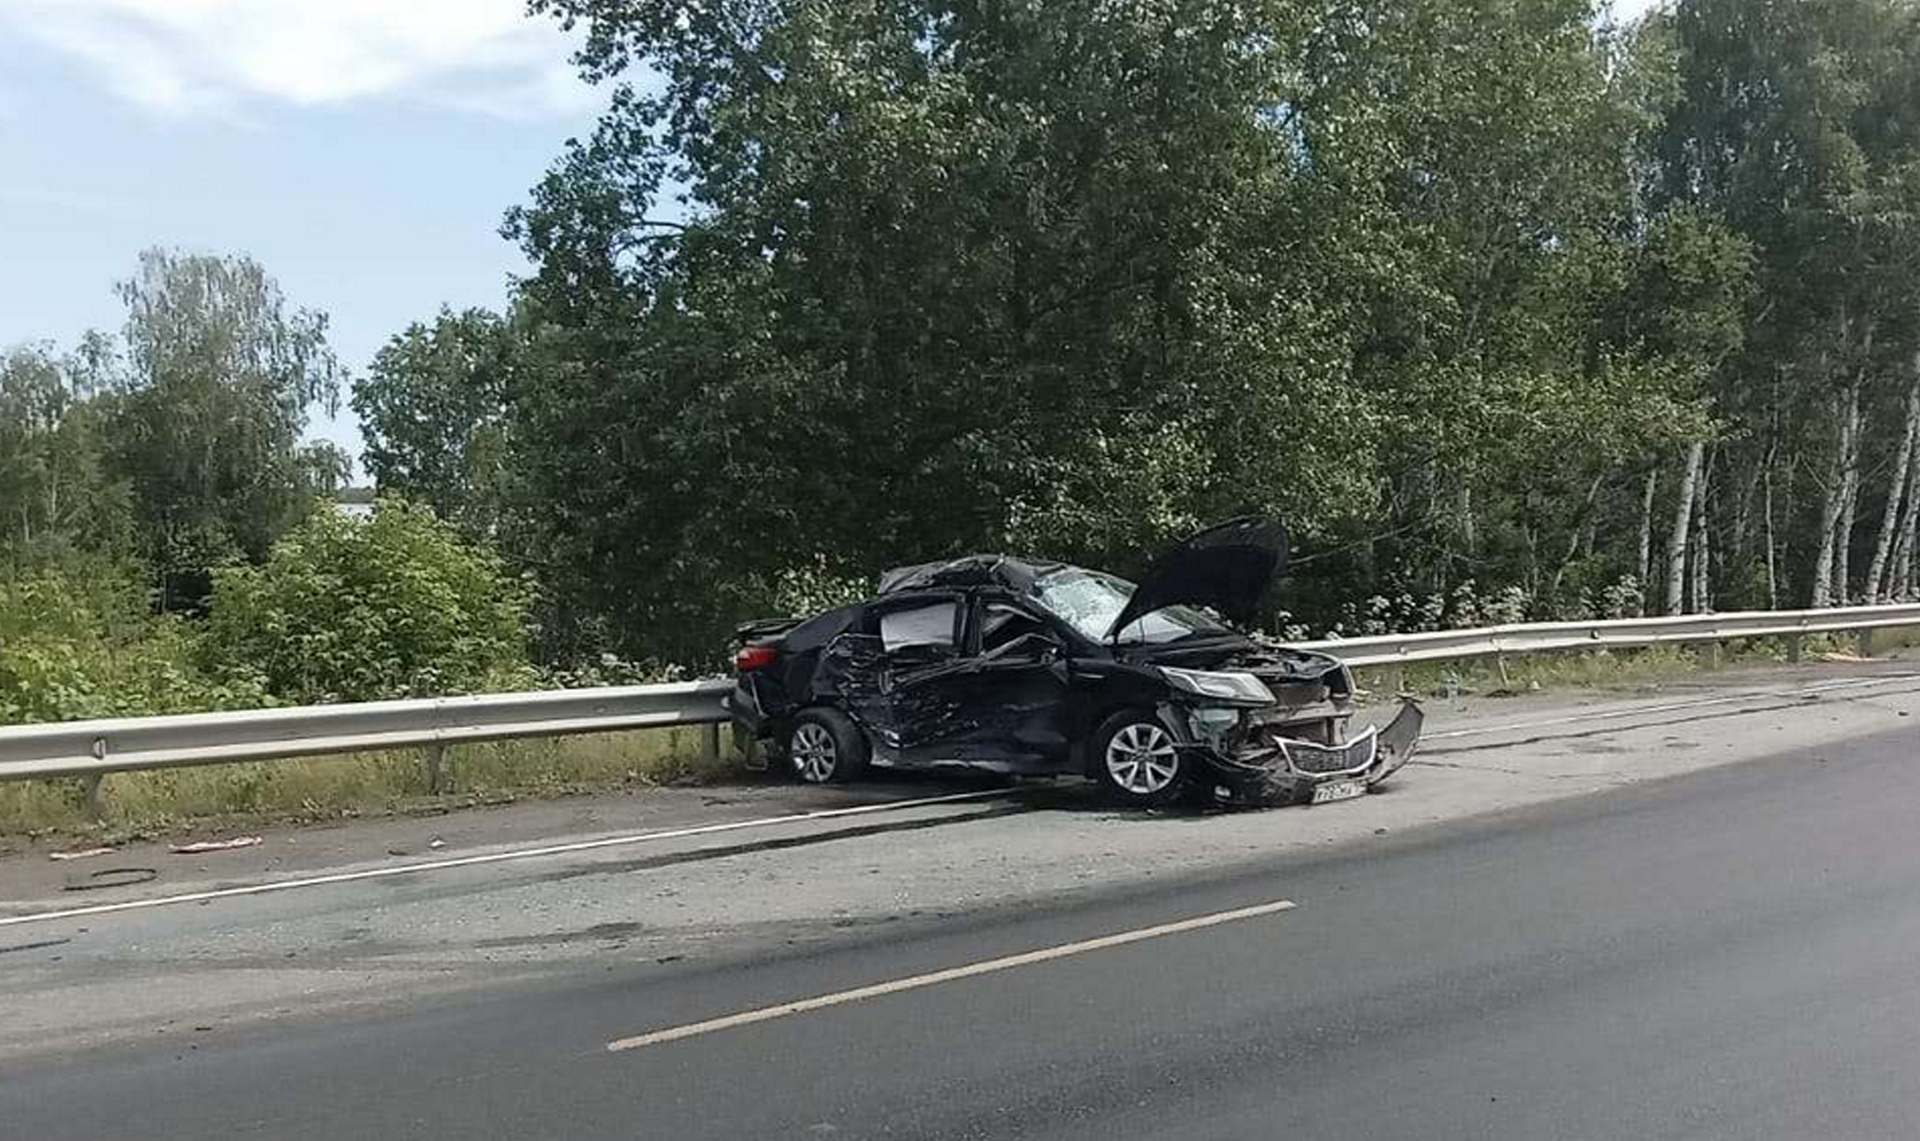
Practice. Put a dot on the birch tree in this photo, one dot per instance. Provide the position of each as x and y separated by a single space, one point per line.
1877 585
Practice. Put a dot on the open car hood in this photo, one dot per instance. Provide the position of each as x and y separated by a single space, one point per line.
1228 568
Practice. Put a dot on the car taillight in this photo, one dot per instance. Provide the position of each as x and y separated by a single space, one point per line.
752 657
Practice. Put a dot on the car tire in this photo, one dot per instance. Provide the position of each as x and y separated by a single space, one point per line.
1135 759
824 746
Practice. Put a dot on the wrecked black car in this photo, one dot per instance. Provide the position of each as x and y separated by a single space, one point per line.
1026 667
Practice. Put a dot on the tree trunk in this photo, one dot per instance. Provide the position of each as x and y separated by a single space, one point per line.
1900 575
1900 562
1532 575
1877 586
1581 523
1736 547
1677 540
1849 501
1773 580
1789 493
1466 520
1646 534
1834 505
1701 601
52 518
1748 531
1843 549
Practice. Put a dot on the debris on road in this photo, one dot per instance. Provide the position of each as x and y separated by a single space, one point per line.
215 845
80 853
112 877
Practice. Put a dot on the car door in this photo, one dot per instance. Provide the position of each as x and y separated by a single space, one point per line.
913 706
999 703
1019 681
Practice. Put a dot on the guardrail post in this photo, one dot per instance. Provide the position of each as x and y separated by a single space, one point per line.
1796 647
710 742
1865 637
439 773
1396 679
1707 654
96 796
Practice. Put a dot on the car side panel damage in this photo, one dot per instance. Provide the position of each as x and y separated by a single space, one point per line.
1011 665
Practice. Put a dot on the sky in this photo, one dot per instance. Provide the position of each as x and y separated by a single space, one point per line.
363 151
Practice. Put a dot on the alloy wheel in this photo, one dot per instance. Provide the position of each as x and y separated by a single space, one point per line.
813 754
1141 759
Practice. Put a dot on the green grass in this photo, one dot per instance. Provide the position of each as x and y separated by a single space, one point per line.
359 784
1895 638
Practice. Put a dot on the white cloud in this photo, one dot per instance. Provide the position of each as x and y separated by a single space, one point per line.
192 56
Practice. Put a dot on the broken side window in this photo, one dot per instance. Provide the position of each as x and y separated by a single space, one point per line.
929 625
1003 625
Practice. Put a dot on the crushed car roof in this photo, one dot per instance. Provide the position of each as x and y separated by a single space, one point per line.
1227 567
1015 574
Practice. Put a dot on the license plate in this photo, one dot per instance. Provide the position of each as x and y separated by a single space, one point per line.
1338 790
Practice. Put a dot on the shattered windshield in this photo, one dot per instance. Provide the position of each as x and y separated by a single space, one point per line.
1089 602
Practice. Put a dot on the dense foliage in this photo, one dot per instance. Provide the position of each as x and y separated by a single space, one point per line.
79 641
432 406
349 610
178 442
853 284
1512 312
159 548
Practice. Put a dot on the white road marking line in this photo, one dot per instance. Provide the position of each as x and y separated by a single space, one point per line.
988 966
1670 707
493 857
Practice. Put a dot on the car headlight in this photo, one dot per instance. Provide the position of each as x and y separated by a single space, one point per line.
1239 688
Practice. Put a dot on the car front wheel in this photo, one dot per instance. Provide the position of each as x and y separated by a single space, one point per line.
824 747
1136 760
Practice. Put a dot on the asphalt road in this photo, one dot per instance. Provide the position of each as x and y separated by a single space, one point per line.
1729 954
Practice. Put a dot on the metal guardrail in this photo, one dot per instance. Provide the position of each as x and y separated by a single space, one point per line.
91 748
1544 637
120 744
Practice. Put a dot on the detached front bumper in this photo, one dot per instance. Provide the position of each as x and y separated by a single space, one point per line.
1281 770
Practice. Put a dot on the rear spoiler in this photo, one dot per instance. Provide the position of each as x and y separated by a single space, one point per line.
764 628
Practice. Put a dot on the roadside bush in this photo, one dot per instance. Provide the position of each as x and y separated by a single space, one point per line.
396 605
1465 608
607 669
78 642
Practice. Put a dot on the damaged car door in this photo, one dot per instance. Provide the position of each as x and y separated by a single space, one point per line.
1015 688
994 700
913 707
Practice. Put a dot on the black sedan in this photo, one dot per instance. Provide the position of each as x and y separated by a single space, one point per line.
1021 666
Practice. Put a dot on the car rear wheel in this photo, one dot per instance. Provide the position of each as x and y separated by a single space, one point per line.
825 747
1136 760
